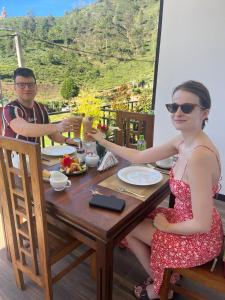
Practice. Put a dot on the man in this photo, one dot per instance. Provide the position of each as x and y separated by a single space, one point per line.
26 119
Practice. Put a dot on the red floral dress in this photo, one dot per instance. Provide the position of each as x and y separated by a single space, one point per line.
170 250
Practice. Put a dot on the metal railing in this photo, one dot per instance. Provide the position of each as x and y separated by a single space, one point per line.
108 115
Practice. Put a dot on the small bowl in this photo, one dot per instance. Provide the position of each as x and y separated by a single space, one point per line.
166 163
92 160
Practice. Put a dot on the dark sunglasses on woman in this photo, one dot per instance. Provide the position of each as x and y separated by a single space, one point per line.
186 108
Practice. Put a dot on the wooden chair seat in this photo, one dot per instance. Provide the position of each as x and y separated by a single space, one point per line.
200 274
35 244
60 242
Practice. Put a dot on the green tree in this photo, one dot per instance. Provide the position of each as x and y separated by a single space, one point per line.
69 89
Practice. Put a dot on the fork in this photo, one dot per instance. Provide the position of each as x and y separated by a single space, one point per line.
44 158
122 189
163 171
94 192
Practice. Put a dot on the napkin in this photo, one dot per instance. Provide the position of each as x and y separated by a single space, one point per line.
108 161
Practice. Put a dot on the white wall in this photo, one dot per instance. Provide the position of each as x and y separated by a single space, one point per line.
193 47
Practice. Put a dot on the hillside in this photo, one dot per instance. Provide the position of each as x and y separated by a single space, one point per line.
103 45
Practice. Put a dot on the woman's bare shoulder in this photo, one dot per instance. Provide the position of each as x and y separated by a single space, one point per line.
205 155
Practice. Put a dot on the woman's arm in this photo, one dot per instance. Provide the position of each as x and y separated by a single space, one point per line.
200 178
135 156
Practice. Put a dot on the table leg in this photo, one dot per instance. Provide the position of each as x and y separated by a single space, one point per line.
104 254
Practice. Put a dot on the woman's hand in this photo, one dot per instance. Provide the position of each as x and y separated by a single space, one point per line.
161 223
96 134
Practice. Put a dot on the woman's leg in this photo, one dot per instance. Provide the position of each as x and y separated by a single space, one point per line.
139 241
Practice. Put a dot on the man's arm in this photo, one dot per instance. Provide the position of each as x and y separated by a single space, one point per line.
22 127
58 138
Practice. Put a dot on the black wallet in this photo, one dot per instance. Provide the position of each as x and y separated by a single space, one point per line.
107 202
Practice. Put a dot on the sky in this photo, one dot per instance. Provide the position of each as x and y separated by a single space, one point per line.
17 8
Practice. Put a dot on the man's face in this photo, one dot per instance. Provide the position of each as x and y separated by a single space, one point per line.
25 88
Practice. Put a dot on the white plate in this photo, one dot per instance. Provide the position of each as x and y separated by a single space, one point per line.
139 175
59 150
164 165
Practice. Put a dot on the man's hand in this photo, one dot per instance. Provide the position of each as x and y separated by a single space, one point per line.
71 142
65 126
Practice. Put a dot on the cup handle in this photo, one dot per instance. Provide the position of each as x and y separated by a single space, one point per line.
68 184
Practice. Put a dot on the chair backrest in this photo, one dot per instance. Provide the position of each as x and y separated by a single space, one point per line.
134 124
23 205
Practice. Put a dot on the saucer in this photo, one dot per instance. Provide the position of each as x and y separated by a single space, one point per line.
164 165
59 190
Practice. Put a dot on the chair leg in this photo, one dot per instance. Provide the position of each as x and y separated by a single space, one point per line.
165 288
19 278
93 263
48 293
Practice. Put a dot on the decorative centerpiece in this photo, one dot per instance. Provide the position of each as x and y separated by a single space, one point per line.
71 166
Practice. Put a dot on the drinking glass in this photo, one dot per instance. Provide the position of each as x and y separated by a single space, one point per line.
87 126
76 122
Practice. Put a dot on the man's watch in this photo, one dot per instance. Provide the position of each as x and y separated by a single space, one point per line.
66 139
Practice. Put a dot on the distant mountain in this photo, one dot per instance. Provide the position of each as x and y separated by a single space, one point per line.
102 45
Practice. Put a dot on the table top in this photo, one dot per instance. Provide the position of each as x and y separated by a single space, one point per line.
72 204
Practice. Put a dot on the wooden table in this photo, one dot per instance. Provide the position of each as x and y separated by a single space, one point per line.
100 229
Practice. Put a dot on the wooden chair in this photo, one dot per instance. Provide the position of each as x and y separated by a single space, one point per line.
34 244
200 274
133 125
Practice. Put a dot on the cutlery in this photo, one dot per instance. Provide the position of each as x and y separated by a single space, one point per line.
166 172
44 158
94 192
161 171
121 189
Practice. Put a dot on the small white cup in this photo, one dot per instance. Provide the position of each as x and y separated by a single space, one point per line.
59 181
92 160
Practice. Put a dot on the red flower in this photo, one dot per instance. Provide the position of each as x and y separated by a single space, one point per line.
67 161
102 128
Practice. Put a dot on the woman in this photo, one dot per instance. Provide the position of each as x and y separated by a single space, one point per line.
191 233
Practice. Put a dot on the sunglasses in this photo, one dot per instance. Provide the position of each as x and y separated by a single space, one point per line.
186 108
